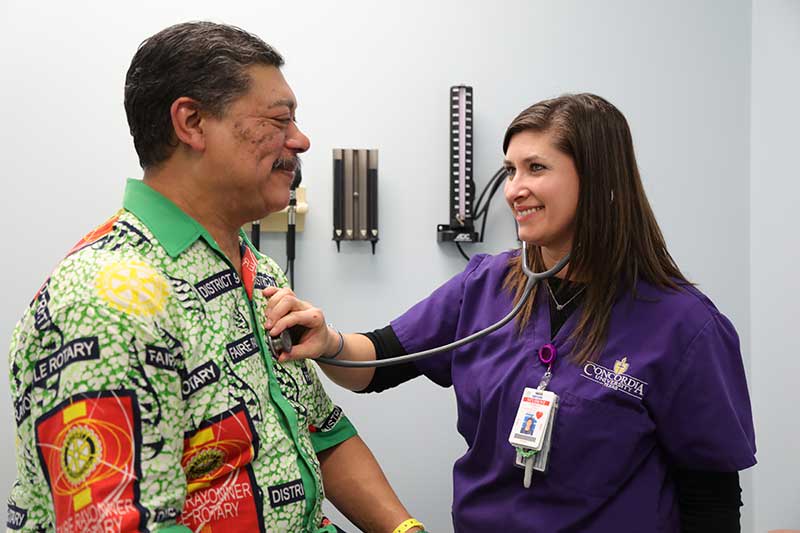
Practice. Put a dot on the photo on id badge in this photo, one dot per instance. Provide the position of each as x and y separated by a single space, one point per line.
533 415
528 424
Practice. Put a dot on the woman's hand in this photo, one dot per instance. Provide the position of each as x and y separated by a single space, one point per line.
285 310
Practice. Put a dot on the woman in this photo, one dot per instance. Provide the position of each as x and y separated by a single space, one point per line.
654 418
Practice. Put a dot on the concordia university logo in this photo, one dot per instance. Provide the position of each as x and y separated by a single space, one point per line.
621 366
616 379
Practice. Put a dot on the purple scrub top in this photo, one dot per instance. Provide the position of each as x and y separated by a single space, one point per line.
667 391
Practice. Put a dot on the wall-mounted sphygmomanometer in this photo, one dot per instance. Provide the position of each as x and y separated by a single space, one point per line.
465 210
355 196
461 228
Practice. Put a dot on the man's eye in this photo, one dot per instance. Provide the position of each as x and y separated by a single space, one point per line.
283 121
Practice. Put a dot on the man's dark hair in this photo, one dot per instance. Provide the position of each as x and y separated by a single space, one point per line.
202 60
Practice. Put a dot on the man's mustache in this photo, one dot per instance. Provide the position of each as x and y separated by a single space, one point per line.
286 163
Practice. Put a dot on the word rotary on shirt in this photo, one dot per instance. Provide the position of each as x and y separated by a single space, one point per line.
218 502
199 378
615 379
16 517
77 350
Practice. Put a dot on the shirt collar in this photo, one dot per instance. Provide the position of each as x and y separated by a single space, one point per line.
173 228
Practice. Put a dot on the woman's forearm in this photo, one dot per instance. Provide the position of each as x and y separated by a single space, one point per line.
356 348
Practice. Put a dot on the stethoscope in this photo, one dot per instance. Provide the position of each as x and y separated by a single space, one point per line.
533 279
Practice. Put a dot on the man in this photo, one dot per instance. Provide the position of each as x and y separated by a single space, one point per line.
145 395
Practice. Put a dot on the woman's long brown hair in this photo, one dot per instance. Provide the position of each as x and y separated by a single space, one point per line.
617 240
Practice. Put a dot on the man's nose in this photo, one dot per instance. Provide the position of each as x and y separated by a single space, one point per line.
297 141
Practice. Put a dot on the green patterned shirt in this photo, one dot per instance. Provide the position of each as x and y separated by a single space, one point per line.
146 397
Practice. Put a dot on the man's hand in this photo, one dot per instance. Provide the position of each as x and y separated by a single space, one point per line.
285 310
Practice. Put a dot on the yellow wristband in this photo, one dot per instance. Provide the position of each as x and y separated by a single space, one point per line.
408 524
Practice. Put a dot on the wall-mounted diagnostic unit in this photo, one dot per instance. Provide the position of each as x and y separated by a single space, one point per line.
355 196
461 227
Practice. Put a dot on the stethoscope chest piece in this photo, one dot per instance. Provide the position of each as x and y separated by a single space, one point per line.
284 342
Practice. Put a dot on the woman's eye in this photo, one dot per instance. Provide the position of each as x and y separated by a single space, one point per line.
536 167
509 172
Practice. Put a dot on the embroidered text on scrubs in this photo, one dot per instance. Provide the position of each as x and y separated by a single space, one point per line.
614 380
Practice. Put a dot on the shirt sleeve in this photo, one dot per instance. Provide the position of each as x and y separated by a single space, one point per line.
705 421
434 322
327 422
100 440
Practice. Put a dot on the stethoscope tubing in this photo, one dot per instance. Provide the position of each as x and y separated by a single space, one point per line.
533 279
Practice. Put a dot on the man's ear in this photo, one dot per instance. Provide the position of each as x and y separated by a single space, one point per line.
187 123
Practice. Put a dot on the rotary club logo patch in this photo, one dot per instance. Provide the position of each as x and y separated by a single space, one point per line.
223 495
132 287
89 452
204 463
80 454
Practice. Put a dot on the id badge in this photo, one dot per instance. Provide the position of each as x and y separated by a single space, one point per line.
532 422
542 459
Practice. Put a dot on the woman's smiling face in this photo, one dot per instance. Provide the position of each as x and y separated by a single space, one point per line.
542 191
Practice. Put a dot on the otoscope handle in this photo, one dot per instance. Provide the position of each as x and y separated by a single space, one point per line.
290 240
255 234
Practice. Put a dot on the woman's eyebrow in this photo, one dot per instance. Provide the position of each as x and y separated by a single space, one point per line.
530 159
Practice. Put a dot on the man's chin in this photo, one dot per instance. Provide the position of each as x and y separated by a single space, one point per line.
276 205
285 175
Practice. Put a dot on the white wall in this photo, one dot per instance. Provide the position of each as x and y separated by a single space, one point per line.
775 261
370 74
